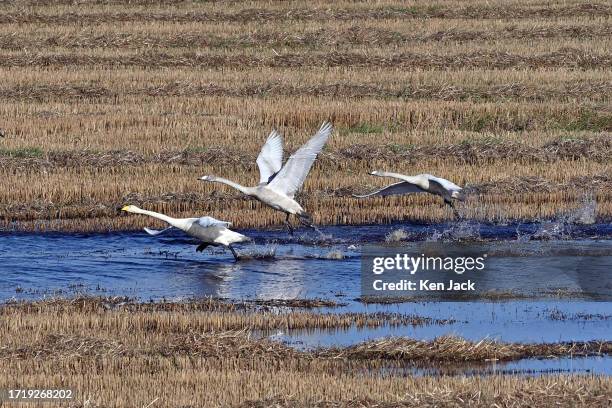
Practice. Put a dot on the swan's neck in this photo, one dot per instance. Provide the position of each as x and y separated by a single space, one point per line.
172 221
239 187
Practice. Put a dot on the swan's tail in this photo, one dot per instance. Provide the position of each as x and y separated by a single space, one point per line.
229 237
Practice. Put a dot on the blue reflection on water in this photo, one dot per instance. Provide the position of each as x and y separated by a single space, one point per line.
323 265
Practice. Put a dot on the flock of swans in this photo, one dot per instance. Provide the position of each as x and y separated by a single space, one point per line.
278 185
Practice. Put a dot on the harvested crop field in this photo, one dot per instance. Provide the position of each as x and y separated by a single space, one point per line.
114 352
104 104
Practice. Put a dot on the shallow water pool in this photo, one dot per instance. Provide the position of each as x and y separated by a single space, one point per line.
327 265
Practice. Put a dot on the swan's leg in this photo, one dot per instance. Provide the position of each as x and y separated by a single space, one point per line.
202 247
233 252
288 224
455 212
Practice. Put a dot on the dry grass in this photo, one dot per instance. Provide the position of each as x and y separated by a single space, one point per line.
511 99
593 91
82 314
562 58
454 349
118 353
185 35
269 11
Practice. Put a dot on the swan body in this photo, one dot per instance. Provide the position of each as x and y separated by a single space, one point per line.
265 194
421 183
277 183
206 229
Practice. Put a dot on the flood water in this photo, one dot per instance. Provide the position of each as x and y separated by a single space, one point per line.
327 265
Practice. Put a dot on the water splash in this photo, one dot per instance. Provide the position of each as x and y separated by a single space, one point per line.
551 230
335 254
435 236
321 239
562 226
462 231
521 237
396 236
259 253
586 214
465 230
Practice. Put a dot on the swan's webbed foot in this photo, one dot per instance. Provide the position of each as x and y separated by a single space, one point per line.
202 247
307 222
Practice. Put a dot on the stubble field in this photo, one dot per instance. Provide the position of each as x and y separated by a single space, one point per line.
115 353
104 104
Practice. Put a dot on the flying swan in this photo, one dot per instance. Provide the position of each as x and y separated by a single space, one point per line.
422 183
206 229
277 183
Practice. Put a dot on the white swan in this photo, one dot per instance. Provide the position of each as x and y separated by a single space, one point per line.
422 183
277 183
206 229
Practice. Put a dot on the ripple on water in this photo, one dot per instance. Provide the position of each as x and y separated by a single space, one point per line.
321 265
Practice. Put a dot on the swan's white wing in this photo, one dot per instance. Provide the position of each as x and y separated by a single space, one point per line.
403 187
448 185
156 232
270 159
291 177
211 222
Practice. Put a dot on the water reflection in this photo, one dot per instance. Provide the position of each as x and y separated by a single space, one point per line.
280 266
314 266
